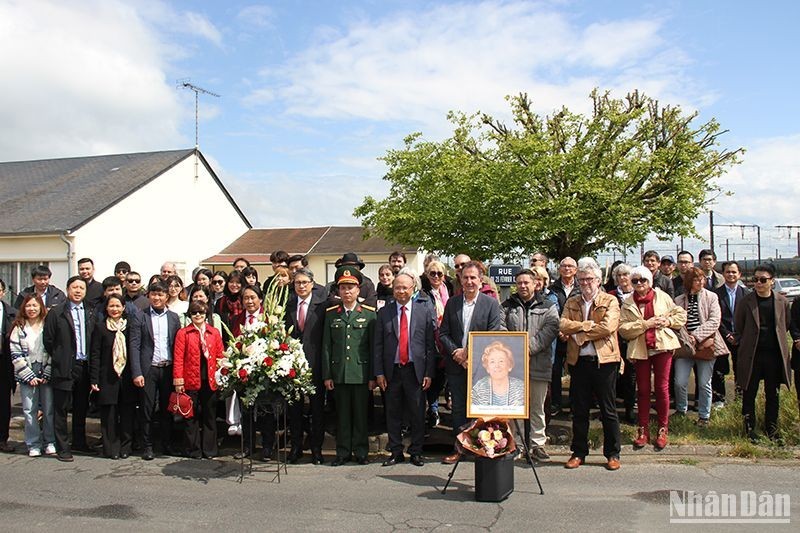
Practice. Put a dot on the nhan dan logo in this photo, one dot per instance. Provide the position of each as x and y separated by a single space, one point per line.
745 507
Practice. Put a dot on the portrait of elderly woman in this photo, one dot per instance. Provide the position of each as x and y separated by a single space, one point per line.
498 384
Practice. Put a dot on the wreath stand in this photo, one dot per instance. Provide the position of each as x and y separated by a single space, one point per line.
521 435
277 409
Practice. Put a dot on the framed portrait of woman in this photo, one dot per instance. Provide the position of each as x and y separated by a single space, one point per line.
497 374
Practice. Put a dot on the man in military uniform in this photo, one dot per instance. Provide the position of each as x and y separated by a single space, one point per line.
347 365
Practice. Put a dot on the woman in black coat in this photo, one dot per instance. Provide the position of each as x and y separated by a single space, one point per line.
110 376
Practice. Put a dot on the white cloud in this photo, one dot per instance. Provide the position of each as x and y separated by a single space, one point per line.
417 66
198 24
82 78
257 15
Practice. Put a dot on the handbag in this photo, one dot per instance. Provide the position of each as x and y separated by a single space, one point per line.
704 350
180 404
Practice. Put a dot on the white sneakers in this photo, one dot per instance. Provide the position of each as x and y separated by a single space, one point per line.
34 452
235 429
50 449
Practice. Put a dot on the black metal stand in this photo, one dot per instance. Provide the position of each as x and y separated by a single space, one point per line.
278 410
452 472
521 435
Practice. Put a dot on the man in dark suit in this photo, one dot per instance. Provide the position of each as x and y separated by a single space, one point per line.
7 383
67 338
708 260
51 296
152 338
94 289
564 287
730 294
404 357
305 314
469 311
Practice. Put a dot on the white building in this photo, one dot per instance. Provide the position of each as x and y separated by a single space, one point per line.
143 208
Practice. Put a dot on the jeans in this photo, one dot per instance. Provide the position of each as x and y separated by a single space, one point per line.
705 369
32 399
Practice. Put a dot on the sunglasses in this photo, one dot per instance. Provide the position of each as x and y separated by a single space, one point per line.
198 313
218 282
436 274
133 281
123 271
639 281
762 279
460 265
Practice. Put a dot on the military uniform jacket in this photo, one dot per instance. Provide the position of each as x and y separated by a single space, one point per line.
347 344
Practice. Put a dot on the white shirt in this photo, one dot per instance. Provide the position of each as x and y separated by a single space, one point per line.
160 323
307 300
469 308
588 349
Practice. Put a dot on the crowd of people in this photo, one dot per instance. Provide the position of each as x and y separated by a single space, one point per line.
643 332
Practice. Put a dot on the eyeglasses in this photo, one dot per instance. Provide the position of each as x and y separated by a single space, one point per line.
586 280
436 274
639 281
461 265
218 282
568 266
302 283
762 279
133 281
198 313
121 271
175 286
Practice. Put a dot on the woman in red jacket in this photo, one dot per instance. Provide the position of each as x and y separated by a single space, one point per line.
197 348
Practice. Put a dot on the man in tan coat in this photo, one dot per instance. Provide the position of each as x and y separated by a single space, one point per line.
590 323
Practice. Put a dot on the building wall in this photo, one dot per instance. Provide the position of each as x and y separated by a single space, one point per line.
166 220
33 249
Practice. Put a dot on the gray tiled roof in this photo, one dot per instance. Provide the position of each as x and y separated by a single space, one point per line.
56 195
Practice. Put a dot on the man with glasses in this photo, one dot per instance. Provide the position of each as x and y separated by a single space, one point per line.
133 291
121 270
305 315
685 264
564 287
730 296
590 323
708 260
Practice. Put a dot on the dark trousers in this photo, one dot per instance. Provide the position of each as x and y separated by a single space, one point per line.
435 390
599 380
6 387
316 430
769 367
200 431
555 382
626 387
351 423
78 397
404 394
458 390
157 387
722 367
116 428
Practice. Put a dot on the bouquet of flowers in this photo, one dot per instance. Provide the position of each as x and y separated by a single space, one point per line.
489 437
264 360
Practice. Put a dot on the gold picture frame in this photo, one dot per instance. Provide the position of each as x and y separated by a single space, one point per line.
491 393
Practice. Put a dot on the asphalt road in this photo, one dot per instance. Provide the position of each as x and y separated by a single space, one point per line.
95 494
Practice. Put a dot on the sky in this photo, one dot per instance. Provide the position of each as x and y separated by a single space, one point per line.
313 93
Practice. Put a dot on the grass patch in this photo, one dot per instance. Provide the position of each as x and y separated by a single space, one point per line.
689 461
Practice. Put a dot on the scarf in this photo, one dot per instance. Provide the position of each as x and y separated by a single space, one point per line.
203 345
645 303
119 353
440 298
234 306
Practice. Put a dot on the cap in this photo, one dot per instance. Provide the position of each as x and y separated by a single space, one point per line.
348 274
668 259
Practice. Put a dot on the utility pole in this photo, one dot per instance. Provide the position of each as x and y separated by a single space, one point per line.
711 227
742 227
790 228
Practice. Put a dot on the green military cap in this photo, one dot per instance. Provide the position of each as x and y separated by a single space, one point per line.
348 274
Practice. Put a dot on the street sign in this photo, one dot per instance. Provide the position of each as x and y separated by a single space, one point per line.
504 275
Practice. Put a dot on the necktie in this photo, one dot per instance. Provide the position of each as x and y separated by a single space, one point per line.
78 313
403 347
250 319
711 282
301 315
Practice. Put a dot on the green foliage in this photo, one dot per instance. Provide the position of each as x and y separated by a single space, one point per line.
565 184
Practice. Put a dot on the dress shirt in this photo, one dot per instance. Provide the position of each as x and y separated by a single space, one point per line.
160 323
587 349
469 308
79 323
300 301
731 299
408 325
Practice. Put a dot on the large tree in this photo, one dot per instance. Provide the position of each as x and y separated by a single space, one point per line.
565 184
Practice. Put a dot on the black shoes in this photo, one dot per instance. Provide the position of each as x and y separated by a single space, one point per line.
65 457
416 460
538 454
362 460
267 454
339 461
316 457
294 456
394 459
148 454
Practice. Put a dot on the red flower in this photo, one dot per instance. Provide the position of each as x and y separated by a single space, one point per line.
268 361
224 371
284 347
239 346
242 373
292 373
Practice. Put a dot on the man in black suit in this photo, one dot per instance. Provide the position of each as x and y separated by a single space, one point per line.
51 296
67 338
94 289
7 384
730 294
469 311
152 338
404 357
305 314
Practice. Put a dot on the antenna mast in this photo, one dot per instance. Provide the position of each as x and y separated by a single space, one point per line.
185 84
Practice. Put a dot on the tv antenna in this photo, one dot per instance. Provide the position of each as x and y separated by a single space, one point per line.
186 84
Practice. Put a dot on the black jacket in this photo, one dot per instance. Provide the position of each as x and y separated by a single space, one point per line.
53 296
311 336
59 341
114 389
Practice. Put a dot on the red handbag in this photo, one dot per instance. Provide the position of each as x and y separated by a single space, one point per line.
180 403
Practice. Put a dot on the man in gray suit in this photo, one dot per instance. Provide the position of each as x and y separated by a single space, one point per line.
469 311
404 356
152 338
